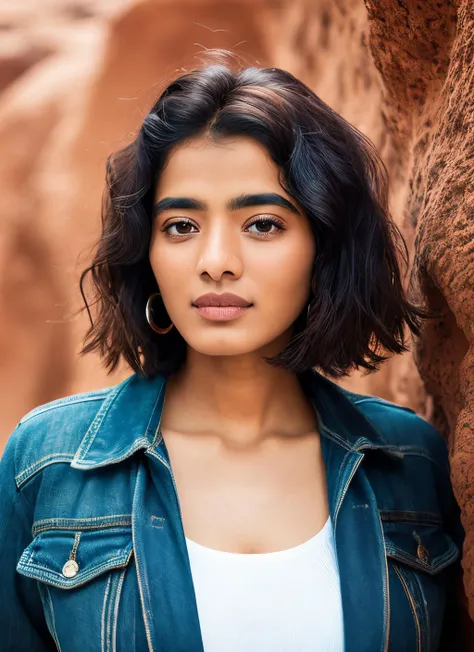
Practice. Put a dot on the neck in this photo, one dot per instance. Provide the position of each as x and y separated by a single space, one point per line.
241 400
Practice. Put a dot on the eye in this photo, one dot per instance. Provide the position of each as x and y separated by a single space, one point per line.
179 229
265 226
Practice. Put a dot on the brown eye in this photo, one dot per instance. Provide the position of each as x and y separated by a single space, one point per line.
265 226
181 228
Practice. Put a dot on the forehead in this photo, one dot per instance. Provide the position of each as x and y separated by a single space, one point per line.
232 164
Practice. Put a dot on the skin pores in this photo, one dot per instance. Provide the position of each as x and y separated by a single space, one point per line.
262 253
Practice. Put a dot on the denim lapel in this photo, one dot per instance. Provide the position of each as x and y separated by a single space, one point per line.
346 436
126 422
164 574
127 425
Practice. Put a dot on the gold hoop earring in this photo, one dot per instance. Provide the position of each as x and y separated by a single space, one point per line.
160 331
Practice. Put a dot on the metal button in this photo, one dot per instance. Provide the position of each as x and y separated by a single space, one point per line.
422 553
70 568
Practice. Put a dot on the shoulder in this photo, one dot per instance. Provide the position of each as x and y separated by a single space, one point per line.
75 403
403 428
51 432
423 476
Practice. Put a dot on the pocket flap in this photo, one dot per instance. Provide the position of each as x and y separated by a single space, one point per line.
420 543
94 552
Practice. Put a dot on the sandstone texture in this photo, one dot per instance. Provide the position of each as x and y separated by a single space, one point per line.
76 79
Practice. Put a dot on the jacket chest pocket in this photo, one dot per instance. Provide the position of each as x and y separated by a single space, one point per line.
420 553
80 566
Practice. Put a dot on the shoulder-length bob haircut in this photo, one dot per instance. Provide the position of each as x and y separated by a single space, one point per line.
357 306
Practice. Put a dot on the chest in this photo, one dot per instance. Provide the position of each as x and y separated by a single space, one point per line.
296 594
245 501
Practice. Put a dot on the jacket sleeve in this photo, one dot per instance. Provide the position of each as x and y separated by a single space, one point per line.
22 622
458 630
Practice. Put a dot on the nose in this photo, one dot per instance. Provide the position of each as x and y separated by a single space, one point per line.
220 252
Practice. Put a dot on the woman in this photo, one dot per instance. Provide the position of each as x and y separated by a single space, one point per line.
226 496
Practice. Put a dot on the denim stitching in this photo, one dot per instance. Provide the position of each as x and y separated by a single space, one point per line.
412 561
340 440
159 457
416 450
158 518
147 588
73 553
116 608
341 469
423 607
110 610
80 398
410 516
73 519
412 604
96 570
89 528
159 434
143 602
62 457
363 444
30 550
94 522
386 590
102 620
46 575
158 398
139 443
90 435
407 449
155 453
91 571
34 548
31 563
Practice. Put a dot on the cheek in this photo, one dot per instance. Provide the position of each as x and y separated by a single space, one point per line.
170 267
287 274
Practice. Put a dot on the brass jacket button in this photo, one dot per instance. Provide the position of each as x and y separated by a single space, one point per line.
70 568
422 553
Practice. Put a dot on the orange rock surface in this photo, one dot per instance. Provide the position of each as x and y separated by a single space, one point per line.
75 81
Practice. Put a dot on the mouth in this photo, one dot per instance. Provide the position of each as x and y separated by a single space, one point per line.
221 307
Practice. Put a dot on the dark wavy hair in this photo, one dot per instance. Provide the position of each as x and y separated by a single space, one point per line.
358 307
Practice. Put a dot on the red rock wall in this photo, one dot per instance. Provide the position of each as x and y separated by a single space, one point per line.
424 54
75 81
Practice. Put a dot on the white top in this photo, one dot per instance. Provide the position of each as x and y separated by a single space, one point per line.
284 601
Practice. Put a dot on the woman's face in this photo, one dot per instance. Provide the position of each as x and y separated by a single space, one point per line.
207 239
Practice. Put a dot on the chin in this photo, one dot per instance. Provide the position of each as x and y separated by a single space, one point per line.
233 344
217 349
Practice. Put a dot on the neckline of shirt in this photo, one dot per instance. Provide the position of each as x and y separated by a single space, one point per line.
320 537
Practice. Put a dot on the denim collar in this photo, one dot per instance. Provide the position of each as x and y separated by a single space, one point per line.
128 420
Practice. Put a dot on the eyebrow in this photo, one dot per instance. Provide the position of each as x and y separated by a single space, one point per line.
242 201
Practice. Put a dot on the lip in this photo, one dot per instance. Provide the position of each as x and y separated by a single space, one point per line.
221 313
225 300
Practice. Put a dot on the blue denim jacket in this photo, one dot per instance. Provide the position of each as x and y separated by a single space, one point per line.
92 549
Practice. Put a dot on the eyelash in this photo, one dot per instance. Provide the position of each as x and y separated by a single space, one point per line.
272 220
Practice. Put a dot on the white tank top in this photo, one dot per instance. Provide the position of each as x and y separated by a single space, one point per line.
284 601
